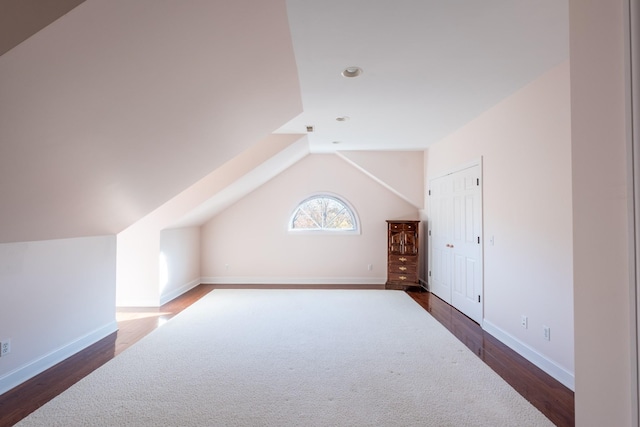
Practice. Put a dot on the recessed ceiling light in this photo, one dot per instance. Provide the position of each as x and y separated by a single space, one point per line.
342 119
336 142
352 72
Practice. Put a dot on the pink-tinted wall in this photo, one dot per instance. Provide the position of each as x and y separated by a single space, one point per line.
525 146
602 303
250 243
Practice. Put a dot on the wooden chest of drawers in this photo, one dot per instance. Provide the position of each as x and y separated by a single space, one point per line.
402 254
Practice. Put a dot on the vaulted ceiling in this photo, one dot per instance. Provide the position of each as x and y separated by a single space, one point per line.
116 106
119 105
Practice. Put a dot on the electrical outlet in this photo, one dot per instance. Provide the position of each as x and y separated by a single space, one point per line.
547 333
524 321
5 347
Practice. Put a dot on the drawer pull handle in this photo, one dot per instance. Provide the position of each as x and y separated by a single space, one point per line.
402 268
403 259
402 277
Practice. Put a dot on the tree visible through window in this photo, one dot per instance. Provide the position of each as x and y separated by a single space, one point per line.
323 212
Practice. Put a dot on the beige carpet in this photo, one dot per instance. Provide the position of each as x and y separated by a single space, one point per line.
294 358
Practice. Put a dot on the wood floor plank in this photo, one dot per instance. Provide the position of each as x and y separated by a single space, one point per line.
547 394
19 402
544 392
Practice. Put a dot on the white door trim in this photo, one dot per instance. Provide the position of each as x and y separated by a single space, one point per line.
632 83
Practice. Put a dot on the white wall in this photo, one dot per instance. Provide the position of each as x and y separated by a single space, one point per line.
251 236
138 259
137 280
525 145
179 261
58 297
600 197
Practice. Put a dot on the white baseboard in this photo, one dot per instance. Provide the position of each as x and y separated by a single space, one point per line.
267 281
30 370
234 280
549 366
177 292
138 303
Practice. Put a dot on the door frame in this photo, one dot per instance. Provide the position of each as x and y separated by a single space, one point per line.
632 82
475 162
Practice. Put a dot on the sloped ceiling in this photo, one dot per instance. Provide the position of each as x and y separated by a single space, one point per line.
401 172
119 105
116 107
241 175
20 19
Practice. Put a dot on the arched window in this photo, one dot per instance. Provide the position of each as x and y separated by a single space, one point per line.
324 212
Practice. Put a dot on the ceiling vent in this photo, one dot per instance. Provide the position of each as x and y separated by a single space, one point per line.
309 128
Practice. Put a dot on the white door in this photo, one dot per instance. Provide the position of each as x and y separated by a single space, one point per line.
440 224
465 243
455 267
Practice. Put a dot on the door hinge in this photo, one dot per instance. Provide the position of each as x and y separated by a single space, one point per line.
478 239
478 181
429 232
429 192
429 273
478 298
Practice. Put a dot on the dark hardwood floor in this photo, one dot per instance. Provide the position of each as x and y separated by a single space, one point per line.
549 396
545 393
133 324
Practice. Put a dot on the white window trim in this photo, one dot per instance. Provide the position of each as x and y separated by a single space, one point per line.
326 231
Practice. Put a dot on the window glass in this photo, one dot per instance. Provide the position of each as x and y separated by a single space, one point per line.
323 212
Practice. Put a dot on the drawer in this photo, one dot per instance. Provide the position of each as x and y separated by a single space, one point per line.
403 259
402 226
402 269
401 278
